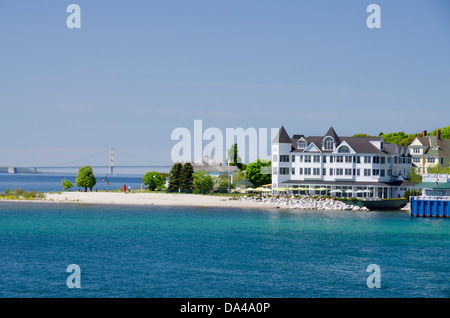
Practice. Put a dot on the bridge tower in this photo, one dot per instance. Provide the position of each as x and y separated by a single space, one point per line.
111 162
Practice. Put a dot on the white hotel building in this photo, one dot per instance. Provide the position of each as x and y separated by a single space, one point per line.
340 166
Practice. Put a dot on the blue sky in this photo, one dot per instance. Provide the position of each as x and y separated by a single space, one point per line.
136 70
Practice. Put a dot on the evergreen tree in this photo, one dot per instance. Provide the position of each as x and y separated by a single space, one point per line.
175 177
187 177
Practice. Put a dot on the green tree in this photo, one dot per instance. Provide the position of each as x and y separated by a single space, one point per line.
175 177
203 182
254 174
153 180
66 184
233 155
85 178
237 176
445 132
438 169
234 158
222 183
187 177
414 177
362 135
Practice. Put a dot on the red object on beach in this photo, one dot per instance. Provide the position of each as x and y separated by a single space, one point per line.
124 188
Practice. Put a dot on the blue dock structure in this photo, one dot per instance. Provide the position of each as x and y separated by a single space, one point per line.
430 207
435 198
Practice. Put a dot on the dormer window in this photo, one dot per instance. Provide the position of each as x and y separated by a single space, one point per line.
344 149
302 144
328 143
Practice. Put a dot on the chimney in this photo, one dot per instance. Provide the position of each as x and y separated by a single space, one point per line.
424 133
438 134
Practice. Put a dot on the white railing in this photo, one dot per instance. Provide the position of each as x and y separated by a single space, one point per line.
431 177
435 198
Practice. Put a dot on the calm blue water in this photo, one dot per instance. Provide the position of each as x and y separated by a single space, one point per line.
129 251
52 182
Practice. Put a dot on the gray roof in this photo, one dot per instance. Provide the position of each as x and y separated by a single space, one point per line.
282 137
333 134
358 144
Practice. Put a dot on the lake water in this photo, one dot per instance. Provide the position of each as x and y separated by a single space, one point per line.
137 251
173 252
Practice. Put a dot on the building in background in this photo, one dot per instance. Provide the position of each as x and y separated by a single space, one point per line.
429 151
340 166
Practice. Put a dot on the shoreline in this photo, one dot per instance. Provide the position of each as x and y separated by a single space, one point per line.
142 199
191 200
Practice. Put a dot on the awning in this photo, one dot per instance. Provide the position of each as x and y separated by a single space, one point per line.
432 185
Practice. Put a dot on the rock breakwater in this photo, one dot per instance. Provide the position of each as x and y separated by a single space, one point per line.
303 203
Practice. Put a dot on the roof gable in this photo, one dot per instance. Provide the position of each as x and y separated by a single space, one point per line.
312 148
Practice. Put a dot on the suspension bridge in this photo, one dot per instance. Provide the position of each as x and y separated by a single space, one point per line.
110 167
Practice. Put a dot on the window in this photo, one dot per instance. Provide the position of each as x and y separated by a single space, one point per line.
382 160
308 171
376 159
375 172
316 158
348 172
307 158
301 144
331 171
284 158
348 159
416 159
395 159
316 171
416 150
367 159
344 149
325 159
324 171
382 173
339 172
300 158
293 170
328 143
358 172
300 171
442 161
331 159
430 159
339 159
284 170
293 158
366 172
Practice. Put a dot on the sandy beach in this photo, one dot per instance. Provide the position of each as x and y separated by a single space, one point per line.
130 198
